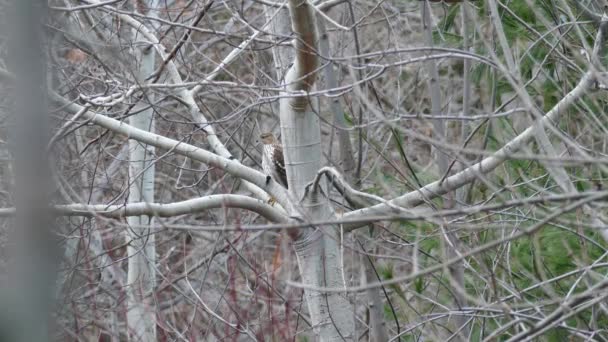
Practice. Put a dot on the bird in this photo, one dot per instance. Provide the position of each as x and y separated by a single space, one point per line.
273 163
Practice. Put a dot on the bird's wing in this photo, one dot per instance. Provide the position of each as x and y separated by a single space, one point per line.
279 162
278 156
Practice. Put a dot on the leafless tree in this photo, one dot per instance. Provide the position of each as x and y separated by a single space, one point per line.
445 163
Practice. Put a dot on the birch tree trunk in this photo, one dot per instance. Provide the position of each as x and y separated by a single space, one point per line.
317 249
141 250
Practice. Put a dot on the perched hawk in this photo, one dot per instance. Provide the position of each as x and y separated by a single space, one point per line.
273 163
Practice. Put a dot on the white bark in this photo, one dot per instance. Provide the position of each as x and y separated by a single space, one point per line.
141 247
191 206
317 250
187 96
319 262
228 165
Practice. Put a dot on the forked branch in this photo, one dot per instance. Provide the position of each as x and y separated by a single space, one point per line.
231 166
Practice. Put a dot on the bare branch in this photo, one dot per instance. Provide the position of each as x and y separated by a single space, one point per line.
192 206
229 165
488 164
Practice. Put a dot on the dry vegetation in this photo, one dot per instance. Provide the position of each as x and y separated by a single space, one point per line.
527 241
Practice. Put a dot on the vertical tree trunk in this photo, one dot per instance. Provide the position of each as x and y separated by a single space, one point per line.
332 314
280 26
442 161
347 162
141 250
317 249
377 324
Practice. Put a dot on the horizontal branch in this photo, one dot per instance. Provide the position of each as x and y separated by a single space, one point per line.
83 7
191 206
456 216
438 267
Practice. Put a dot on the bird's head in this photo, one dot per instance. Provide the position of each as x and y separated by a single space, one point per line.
267 138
